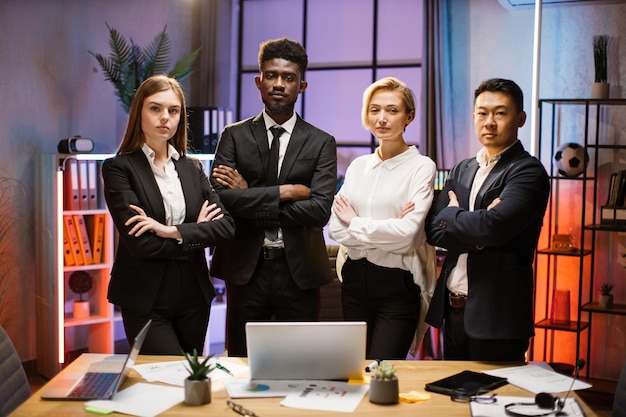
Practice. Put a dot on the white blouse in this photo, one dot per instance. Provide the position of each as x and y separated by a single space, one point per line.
169 185
378 190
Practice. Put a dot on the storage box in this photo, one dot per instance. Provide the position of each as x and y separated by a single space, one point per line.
615 216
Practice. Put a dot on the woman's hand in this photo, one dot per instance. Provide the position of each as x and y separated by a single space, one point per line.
209 212
144 224
410 206
343 209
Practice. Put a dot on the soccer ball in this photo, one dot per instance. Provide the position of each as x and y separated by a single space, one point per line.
571 159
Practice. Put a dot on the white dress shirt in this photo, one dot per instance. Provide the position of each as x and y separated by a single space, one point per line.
457 281
169 185
283 142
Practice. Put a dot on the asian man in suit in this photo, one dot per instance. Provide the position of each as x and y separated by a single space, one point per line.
277 261
488 217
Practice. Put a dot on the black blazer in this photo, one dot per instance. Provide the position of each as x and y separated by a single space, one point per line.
311 160
140 261
501 243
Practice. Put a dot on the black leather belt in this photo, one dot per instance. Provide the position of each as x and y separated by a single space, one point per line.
457 301
273 253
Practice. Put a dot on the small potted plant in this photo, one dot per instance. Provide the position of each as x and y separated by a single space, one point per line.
80 282
198 383
600 88
606 297
384 384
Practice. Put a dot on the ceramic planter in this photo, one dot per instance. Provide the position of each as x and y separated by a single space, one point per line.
606 301
81 310
384 391
600 90
197 392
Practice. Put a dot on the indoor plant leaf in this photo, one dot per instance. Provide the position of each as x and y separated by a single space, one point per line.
128 65
183 67
156 54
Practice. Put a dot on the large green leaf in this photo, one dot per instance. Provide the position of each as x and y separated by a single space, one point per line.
157 53
183 67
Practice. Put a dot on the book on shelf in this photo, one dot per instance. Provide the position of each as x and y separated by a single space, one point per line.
83 185
70 229
68 252
70 179
83 239
617 189
92 185
614 212
205 126
97 234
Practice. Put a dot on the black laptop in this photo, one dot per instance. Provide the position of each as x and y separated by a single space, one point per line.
101 381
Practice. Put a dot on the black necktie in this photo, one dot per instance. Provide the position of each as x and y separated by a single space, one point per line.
272 168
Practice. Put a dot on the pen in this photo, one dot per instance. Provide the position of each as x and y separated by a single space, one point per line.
372 366
238 408
223 368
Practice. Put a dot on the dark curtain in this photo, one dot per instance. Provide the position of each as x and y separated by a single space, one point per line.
212 31
437 124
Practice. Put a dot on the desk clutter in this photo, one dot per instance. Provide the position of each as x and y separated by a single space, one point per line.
155 387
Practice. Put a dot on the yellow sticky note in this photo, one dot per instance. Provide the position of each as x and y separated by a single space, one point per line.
414 396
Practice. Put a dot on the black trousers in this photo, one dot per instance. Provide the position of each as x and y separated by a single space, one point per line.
457 345
180 315
271 294
388 300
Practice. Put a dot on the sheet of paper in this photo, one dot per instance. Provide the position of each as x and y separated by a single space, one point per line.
245 388
537 379
175 372
572 407
143 400
327 396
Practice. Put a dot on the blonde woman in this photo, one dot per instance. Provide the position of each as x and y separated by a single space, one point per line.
378 215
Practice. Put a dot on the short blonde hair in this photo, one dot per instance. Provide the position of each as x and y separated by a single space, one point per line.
391 84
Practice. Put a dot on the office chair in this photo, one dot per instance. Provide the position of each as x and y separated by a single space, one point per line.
619 402
14 388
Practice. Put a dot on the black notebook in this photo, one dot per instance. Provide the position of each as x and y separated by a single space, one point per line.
469 381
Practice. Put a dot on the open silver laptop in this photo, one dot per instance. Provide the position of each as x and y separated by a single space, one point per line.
306 350
101 381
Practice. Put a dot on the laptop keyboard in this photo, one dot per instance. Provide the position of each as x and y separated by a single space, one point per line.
94 385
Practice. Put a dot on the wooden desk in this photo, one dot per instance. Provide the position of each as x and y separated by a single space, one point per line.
413 375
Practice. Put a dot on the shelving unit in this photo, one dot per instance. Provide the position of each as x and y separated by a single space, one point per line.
574 208
58 332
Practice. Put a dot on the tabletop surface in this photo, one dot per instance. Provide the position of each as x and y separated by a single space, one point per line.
412 376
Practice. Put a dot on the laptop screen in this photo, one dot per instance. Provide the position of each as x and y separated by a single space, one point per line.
132 355
306 350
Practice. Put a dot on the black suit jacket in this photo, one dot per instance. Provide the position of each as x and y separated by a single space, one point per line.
500 242
310 160
140 261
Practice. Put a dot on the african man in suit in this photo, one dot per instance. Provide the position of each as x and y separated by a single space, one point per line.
488 217
277 261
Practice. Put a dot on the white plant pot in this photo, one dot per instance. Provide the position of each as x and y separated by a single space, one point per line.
197 392
384 391
81 310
